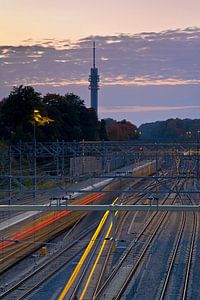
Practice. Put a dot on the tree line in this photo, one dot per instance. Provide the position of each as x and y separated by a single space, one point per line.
72 120
186 129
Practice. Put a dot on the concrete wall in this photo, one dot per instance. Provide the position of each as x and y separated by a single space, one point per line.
84 165
91 164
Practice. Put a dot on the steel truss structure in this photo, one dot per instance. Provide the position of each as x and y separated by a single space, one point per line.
90 208
33 167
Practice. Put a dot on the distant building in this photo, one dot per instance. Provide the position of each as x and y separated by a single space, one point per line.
94 84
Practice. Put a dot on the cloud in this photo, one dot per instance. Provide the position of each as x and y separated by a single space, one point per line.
145 81
146 72
136 109
164 58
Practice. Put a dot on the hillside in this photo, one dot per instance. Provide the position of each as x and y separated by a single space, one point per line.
171 128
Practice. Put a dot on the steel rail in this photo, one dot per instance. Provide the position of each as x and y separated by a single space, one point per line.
114 272
97 245
98 284
88 262
129 278
46 265
86 268
178 240
8 260
22 248
174 256
192 245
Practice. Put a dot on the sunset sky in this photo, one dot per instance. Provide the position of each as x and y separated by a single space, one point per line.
147 53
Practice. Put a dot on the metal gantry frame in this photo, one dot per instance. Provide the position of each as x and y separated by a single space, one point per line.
101 207
26 164
93 208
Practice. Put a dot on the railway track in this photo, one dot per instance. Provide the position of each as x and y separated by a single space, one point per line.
85 272
185 254
74 287
11 257
191 250
126 259
121 225
20 249
145 284
88 264
31 238
14 254
181 255
38 276
31 276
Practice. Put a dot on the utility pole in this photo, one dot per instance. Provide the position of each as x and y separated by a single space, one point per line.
198 132
34 162
10 175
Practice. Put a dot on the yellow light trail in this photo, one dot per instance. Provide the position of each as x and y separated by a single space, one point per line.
85 254
97 260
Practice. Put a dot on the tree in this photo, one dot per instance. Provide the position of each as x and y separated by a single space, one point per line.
73 121
170 129
123 130
103 132
16 112
89 124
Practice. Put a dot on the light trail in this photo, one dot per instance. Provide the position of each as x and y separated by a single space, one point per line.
85 254
97 260
22 234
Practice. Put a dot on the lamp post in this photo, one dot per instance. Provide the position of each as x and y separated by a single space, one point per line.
34 156
10 175
40 121
198 132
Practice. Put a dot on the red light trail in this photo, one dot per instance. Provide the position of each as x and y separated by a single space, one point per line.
22 234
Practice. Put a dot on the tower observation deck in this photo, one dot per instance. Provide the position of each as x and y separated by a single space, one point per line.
94 83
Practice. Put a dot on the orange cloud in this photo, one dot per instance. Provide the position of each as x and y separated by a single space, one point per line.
134 109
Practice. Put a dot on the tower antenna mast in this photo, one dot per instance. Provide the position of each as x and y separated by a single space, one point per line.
94 54
94 82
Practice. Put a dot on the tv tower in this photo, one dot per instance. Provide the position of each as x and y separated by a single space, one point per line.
94 83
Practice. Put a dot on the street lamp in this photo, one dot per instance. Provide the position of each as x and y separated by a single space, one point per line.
34 155
198 132
39 120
